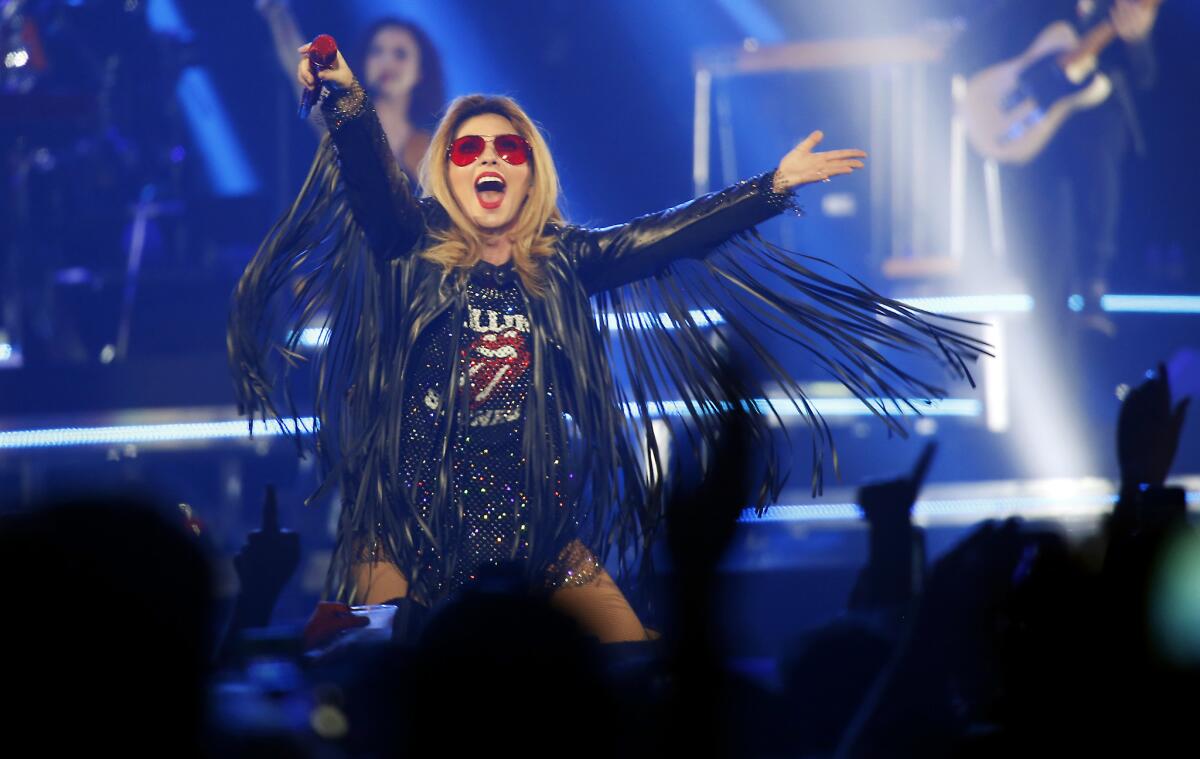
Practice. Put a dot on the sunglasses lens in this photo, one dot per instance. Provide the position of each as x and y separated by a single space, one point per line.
465 150
512 149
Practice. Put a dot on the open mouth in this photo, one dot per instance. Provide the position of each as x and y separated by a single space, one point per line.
489 189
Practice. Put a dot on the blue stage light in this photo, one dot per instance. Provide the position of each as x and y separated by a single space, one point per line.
10 354
163 16
314 337
973 304
1151 304
707 317
972 509
134 434
754 21
138 434
228 167
835 407
318 337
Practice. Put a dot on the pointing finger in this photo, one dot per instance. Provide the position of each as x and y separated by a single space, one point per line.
270 515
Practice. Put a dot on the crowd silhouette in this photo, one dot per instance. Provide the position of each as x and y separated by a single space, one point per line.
1015 641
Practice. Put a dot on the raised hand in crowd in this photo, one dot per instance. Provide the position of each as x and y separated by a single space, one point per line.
264 566
895 560
1148 431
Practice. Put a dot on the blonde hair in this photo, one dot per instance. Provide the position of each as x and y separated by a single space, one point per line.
457 246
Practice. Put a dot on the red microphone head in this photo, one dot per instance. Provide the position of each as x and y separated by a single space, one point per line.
323 51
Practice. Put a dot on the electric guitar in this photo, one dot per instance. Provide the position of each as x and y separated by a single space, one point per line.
1011 110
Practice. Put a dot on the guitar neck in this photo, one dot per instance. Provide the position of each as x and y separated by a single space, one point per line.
1097 38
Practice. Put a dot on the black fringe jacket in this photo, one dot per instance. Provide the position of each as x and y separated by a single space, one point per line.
662 298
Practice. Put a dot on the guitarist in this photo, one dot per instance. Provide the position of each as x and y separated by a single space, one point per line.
1062 208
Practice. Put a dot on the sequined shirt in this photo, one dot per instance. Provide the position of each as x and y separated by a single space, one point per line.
482 447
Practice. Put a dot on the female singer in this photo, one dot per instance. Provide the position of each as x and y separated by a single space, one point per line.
466 397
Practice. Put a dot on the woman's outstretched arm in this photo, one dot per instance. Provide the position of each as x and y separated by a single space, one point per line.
285 38
285 34
380 196
617 255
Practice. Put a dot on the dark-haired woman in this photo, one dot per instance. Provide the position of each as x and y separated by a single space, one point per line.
402 70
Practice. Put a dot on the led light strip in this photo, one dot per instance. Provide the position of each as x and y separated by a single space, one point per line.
963 407
149 433
1017 303
1151 304
317 337
57 437
1010 303
976 508
706 317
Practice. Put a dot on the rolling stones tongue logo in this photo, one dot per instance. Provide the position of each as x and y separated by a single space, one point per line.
498 359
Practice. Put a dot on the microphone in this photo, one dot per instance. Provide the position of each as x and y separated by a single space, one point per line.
322 54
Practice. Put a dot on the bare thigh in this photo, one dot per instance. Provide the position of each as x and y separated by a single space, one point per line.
601 609
378 582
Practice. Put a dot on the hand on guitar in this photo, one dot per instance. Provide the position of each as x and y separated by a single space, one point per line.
1133 19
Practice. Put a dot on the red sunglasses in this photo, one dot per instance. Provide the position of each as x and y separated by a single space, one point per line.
511 147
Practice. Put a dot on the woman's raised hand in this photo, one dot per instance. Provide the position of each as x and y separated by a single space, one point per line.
339 74
802 166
